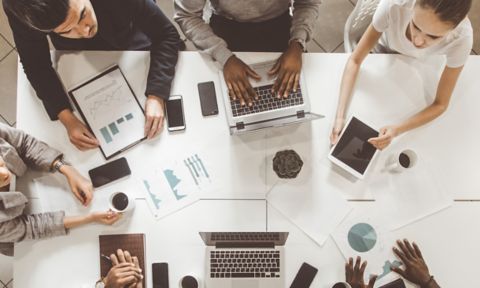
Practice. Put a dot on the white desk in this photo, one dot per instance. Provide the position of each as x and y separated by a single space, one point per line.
378 102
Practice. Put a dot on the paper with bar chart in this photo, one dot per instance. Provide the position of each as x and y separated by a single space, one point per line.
111 110
178 183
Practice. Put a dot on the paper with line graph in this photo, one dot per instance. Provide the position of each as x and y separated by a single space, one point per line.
111 110
178 183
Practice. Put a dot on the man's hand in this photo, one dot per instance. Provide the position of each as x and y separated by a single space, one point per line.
287 69
78 133
125 271
154 116
416 270
384 138
236 75
354 274
81 187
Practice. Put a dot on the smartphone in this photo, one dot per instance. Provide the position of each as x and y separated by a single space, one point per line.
395 284
160 275
304 277
175 117
109 172
208 98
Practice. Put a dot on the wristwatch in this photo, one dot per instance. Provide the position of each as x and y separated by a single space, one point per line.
59 163
100 284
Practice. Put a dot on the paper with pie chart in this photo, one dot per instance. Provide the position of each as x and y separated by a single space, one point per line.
361 234
177 184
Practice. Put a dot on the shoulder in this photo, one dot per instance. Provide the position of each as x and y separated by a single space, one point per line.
463 33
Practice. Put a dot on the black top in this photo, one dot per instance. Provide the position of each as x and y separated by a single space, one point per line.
122 25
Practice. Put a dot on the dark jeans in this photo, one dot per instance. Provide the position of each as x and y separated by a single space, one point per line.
268 36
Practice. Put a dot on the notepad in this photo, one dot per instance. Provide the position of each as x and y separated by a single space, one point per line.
133 243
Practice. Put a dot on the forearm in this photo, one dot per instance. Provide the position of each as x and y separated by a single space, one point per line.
349 78
421 118
431 284
75 221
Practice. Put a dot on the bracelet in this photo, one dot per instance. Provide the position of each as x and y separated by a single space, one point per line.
428 282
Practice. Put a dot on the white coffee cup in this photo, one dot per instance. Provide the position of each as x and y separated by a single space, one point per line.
341 285
189 281
121 202
402 161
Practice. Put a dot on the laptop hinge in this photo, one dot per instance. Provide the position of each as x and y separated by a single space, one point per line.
301 114
240 125
245 245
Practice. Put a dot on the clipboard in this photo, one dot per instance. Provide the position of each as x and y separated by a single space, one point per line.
111 111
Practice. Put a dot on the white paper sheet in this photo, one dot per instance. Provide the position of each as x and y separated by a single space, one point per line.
177 183
312 201
112 112
408 196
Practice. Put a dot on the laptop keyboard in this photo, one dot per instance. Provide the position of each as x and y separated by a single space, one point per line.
245 236
266 102
245 264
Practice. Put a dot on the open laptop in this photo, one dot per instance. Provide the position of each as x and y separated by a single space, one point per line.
268 111
245 259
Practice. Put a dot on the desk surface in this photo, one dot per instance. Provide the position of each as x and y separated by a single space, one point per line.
378 102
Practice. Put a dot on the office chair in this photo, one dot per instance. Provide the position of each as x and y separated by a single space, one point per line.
358 22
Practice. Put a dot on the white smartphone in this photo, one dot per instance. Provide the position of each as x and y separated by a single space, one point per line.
175 115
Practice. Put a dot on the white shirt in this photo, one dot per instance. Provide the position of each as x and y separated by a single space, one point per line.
392 18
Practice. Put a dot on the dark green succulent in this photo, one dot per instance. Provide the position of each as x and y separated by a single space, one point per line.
287 164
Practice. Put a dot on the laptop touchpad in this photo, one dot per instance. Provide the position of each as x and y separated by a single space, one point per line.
246 284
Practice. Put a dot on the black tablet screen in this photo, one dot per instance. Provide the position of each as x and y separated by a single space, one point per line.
353 148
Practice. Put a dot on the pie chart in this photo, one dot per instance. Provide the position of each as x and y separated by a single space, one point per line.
362 237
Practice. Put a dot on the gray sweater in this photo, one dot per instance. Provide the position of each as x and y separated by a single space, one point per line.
189 13
19 151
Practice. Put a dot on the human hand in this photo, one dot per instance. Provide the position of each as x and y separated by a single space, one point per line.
354 274
108 218
78 133
154 116
81 187
236 74
384 138
416 270
336 130
5 174
120 259
287 68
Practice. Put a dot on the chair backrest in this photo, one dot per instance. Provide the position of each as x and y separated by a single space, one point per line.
358 22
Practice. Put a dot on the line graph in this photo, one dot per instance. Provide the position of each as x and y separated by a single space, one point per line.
106 100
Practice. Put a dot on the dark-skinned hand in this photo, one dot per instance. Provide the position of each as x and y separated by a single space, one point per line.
236 74
354 274
416 270
287 69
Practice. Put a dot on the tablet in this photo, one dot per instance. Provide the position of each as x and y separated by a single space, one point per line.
352 151
111 111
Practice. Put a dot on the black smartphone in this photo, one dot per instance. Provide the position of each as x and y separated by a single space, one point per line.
305 276
175 116
395 284
208 98
109 172
160 275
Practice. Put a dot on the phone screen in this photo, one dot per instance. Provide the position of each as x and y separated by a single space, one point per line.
305 276
175 113
109 172
208 98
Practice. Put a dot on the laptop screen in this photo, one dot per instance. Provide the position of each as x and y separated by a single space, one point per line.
217 238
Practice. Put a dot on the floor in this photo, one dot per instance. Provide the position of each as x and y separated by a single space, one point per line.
328 37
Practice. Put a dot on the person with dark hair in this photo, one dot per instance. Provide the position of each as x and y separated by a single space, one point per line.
415 269
93 25
251 26
415 28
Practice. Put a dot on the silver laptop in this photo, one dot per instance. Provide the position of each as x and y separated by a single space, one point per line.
268 110
245 259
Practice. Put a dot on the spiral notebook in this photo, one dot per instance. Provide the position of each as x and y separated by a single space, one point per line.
133 243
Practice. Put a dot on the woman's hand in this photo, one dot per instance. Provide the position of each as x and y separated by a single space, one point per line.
81 187
108 218
336 130
385 137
